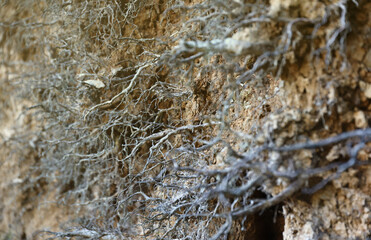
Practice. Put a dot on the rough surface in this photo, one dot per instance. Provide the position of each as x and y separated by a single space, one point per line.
144 119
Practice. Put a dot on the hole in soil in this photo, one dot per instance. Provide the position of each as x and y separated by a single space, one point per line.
266 225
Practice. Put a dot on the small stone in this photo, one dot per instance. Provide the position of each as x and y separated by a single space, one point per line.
340 228
358 54
333 154
367 59
363 155
260 139
360 119
95 83
366 88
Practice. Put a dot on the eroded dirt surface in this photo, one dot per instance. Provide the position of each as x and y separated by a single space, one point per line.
316 96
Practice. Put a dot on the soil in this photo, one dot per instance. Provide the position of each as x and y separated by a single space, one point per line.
68 164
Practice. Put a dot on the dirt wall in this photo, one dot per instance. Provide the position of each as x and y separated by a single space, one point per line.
185 119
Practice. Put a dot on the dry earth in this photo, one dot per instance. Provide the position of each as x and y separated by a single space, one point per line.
178 119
